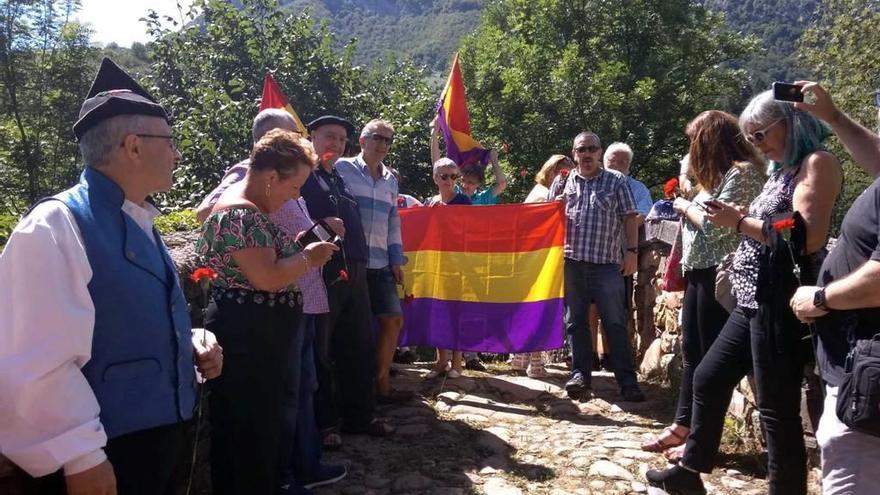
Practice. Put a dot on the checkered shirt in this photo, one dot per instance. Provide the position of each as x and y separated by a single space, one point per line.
595 210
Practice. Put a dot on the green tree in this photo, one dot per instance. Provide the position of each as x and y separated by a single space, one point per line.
210 73
841 49
539 71
46 65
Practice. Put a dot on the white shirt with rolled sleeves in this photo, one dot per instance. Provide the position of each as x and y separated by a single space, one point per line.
49 416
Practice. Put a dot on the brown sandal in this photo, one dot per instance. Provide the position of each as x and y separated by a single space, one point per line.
661 442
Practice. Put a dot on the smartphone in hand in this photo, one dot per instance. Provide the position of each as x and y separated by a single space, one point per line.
787 92
712 204
319 232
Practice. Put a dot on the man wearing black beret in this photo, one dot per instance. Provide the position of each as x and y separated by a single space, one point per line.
344 344
96 348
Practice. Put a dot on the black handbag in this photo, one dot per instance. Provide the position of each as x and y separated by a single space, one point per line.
858 398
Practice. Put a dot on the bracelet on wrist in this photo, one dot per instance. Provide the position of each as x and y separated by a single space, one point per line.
740 222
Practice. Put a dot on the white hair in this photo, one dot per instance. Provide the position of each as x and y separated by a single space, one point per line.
272 118
443 163
615 148
98 143
373 124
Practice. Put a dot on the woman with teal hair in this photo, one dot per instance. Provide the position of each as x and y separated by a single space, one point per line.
782 242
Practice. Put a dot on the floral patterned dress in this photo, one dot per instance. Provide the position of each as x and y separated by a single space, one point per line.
233 229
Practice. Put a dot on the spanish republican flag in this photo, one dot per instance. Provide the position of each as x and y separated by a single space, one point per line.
455 123
273 97
484 279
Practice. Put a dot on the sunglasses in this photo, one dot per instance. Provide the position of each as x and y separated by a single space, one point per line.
759 136
380 138
587 149
448 176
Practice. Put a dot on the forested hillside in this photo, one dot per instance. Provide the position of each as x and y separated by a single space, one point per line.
429 31
778 24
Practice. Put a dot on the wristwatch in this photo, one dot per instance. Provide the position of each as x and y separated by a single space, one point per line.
819 299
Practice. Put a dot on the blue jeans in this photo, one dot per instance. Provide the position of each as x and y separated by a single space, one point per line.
602 284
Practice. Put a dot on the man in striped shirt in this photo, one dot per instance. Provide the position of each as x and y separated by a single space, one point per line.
600 215
375 189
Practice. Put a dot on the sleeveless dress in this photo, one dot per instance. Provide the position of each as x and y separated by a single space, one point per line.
775 198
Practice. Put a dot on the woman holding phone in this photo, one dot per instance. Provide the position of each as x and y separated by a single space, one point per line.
725 167
761 336
254 309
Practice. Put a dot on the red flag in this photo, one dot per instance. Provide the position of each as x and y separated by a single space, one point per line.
273 97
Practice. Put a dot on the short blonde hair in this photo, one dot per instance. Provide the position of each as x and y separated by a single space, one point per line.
549 169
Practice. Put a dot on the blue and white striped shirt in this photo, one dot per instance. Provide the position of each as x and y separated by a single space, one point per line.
377 201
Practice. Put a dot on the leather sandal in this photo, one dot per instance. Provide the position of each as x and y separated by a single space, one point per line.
662 442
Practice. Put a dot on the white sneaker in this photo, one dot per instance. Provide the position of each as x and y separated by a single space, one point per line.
453 374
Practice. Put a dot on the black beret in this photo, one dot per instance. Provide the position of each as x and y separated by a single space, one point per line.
330 119
113 93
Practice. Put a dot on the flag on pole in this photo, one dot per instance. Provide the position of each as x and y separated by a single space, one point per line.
273 97
455 123
484 279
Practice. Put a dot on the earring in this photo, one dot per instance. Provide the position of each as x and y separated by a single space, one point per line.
268 190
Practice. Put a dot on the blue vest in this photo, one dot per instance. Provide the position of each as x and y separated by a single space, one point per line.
141 369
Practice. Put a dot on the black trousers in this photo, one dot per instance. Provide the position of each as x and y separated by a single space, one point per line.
743 346
246 399
345 354
702 319
144 462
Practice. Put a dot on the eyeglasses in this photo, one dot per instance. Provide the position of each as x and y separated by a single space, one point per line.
375 136
171 141
448 176
759 136
587 149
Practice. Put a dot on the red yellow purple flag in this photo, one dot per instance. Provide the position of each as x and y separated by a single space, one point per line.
484 279
455 123
273 97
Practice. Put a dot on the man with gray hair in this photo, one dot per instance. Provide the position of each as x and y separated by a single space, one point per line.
374 186
96 351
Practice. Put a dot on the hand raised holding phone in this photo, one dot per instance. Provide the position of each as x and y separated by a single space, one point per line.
319 253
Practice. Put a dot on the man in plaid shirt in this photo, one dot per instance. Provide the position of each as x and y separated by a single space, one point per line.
599 209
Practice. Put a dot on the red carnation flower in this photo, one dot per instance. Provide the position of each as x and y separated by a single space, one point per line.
669 187
784 224
203 273
523 173
564 172
328 156
343 275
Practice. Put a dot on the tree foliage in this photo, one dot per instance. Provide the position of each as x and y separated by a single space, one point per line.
540 71
841 49
46 68
210 75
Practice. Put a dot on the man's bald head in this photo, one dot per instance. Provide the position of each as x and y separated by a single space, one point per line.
272 118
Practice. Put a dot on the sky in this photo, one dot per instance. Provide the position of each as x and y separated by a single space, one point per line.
117 20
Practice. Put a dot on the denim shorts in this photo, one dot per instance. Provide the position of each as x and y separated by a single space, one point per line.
383 292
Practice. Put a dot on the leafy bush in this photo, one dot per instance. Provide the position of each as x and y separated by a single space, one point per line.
177 221
7 223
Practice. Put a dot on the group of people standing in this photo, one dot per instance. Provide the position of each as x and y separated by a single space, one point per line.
99 363
783 278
